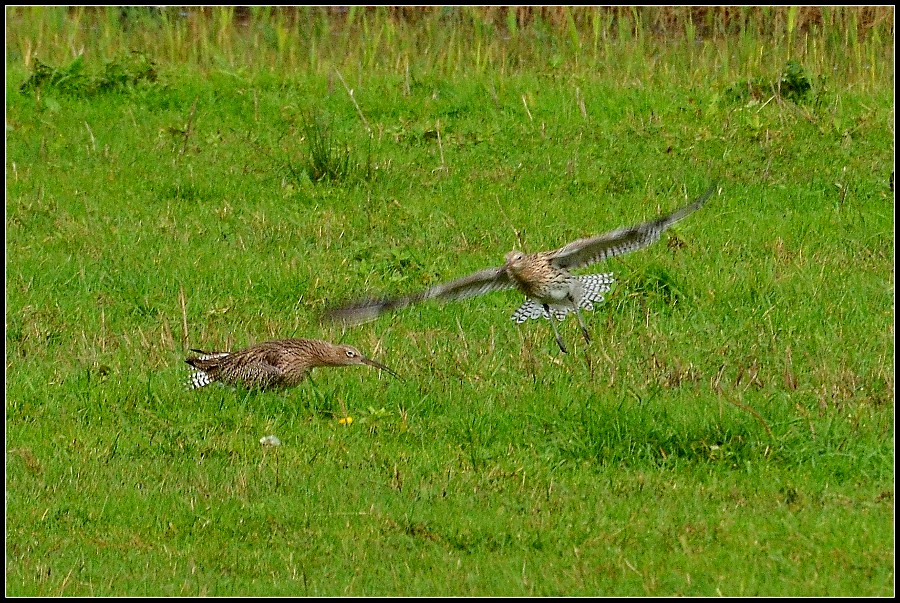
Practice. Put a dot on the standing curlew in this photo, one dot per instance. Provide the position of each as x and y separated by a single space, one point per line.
272 364
544 277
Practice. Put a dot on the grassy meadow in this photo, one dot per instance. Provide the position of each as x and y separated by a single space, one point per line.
182 179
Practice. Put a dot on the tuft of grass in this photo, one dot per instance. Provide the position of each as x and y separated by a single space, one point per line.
793 84
327 157
120 74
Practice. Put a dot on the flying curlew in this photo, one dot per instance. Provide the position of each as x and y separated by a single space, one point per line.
552 291
272 364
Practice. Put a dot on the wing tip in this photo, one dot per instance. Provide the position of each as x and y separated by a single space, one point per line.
701 201
354 314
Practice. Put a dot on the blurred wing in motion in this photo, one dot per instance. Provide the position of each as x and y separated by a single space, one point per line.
483 281
591 250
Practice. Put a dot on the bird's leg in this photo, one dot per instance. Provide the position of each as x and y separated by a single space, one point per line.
587 336
559 340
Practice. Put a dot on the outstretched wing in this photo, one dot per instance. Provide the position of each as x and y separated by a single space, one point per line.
483 281
584 252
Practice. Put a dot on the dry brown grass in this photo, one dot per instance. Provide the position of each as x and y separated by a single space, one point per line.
669 20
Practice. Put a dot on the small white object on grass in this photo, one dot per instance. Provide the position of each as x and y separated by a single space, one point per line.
269 440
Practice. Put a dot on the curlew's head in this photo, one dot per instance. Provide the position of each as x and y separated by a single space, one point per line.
514 259
347 355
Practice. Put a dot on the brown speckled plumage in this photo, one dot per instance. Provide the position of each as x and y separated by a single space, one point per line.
552 291
273 364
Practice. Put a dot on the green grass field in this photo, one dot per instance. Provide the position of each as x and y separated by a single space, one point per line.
217 179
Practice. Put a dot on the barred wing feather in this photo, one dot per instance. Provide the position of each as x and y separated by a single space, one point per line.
483 281
591 250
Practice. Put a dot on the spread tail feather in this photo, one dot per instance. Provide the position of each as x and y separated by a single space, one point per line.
593 288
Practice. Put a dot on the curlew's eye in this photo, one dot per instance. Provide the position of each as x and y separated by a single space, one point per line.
351 354
514 256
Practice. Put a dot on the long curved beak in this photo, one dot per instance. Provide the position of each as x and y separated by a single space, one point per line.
380 366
